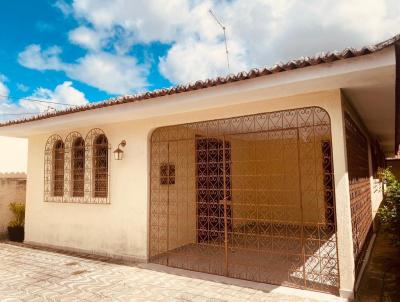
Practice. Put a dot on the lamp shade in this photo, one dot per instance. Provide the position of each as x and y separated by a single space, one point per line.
118 154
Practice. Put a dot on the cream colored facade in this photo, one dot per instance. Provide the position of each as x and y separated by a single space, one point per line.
121 227
13 154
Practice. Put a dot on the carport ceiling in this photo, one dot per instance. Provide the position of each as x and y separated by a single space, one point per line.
375 103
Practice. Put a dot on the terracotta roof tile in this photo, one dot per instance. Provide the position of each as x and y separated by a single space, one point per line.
302 62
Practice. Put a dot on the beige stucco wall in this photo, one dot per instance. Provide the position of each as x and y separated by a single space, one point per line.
14 154
181 195
12 189
376 196
265 175
121 227
13 167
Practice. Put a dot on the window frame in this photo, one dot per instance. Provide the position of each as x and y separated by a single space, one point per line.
90 172
49 169
88 175
100 166
78 185
58 168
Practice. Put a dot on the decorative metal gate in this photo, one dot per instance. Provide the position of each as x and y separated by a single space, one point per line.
249 197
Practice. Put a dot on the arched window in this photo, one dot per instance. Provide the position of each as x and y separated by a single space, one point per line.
78 167
100 166
58 168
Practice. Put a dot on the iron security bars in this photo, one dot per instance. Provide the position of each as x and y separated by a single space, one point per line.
252 198
78 171
360 190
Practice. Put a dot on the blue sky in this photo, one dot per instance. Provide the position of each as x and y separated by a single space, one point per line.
34 22
79 51
41 22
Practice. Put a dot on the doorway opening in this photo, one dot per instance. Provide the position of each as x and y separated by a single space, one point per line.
252 198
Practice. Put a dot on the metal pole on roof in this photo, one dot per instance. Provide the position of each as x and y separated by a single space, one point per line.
224 31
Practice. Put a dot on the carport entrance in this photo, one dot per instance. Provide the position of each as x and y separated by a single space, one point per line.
249 197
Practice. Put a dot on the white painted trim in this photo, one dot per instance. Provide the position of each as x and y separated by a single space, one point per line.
347 295
13 175
59 249
357 71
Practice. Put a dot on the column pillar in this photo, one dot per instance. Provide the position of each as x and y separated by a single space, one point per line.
343 211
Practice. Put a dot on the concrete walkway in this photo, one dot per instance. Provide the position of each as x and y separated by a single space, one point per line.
35 275
381 279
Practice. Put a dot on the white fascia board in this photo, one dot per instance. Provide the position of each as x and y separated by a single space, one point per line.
352 72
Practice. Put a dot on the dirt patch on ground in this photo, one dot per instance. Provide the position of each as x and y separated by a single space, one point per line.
381 280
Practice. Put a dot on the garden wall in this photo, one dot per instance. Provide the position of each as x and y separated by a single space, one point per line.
12 189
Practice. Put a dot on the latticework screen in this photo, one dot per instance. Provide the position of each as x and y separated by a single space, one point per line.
252 198
77 171
360 189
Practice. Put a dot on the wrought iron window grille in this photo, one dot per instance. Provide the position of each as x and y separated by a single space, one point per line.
167 174
54 169
83 165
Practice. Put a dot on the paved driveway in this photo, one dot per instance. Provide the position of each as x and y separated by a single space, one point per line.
34 275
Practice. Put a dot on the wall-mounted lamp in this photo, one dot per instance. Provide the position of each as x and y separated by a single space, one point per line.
118 153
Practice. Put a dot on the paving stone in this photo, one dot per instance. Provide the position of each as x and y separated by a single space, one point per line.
381 279
36 275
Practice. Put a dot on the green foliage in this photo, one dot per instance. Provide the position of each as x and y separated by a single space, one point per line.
18 210
389 212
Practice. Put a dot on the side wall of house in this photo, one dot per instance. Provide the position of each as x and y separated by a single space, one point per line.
14 154
375 183
121 227
363 161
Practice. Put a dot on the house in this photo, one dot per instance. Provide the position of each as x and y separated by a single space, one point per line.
268 175
394 164
13 161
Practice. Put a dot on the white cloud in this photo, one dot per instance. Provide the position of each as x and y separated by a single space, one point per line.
64 93
149 20
86 37
4 91
260 32
191 61
34 57
116 74
264 32
22 87
64 7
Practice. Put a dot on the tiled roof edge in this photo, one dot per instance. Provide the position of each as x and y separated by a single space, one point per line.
320 58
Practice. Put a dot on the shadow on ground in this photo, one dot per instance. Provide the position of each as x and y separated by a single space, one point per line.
381 280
